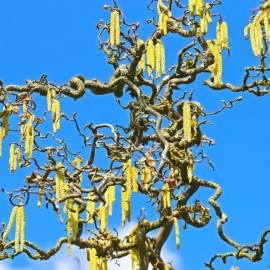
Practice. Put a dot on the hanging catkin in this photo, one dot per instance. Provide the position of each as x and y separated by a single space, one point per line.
126 192
177 232
90 208
141 63
12 158
187 121
115 28
151 58
166 196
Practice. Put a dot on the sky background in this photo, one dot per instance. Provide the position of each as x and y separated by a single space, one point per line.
59 38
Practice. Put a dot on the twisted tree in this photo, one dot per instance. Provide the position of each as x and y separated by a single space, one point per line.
153 156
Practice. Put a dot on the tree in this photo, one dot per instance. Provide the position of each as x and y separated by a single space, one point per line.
153 155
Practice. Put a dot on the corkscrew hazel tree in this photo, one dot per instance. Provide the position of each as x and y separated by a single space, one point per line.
153 156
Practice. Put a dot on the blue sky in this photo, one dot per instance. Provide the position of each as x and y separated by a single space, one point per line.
59 38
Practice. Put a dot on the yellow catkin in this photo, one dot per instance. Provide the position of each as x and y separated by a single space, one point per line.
208 13
148 169
60 184
150 53
141 63
104 264
246 29
216 68
266 24
110 199
158 59
177 232
49 99
166 195
103 218
90 208
24 106
135 258
1 140
12 158
163 16
191 6
187 121
29 138
189 172
112 28
203 24
10 222
22 228
134 179
5 124
39 203
218 34
72 223
126 198
225 36
255 35
18 229
126 192
56 115
222 35
93 259
199 7
117 28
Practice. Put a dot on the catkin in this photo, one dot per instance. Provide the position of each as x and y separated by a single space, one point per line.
148 169
90 208
110 198
166 196
56 115
222 35
199 7
10 223
115 28
134 179
39 203
29 138
191 6
216 68
103 218
20 229
12 158
187 121
141 63
190 168
126 198
5 124
150 53
93 259
203 24
158 59
177 232
135 258
60 184
72 223
208 13
266 24
49 100
256 38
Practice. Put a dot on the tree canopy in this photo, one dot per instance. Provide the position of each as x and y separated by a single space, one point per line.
94 173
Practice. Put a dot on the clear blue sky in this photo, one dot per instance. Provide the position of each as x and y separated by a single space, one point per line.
59 38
